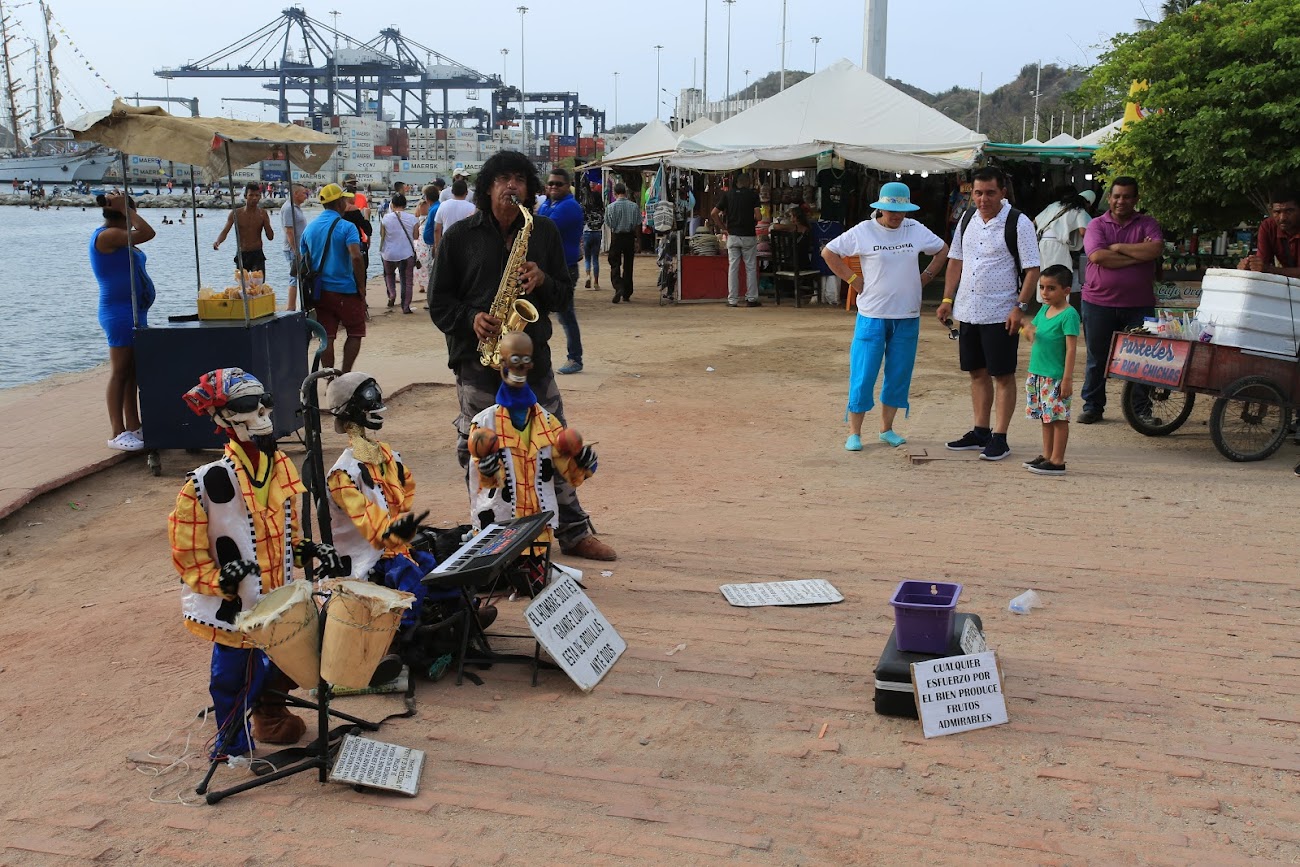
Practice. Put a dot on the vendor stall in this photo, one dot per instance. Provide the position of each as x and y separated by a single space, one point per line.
233 327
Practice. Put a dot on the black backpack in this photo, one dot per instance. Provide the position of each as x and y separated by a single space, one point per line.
1009 235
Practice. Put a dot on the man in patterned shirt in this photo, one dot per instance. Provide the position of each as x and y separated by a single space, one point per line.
991 303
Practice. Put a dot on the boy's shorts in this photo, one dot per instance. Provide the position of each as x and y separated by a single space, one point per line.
1043 399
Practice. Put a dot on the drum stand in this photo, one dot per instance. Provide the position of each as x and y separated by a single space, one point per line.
319 754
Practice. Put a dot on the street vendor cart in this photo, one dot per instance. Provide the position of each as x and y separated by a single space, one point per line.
236 328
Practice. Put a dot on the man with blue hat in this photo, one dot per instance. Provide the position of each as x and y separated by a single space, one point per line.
889 306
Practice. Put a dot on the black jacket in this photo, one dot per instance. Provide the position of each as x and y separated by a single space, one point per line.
467 272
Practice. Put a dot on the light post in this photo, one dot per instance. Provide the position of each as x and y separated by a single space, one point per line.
1038 88
704 91
523 123
615 100
815 40
504 52
675 122
729 3
658 53
783 3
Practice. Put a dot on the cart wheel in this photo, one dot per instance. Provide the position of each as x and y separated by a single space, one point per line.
1251 420
155 462
1169 409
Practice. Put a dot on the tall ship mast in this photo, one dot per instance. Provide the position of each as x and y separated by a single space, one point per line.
48 153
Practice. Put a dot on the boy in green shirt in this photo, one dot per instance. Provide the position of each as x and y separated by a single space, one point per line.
1053 337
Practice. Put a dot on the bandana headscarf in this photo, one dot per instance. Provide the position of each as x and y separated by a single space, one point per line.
217 387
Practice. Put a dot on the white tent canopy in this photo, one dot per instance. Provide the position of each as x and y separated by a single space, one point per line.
695 127
1099 136
844 109
1061 140
645 148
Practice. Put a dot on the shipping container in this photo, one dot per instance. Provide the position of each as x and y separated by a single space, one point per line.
365 165
366 179
382 151
440 134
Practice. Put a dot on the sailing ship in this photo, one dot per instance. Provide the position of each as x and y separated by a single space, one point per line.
48 154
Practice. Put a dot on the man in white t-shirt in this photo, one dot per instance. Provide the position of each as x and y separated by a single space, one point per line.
294 221
458 207
889 306
991 303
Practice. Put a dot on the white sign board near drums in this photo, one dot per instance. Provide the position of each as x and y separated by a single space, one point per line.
959 693
574 632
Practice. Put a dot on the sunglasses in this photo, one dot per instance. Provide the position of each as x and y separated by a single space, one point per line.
249 403
557 183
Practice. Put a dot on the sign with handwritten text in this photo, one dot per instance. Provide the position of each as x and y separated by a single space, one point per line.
1149 359
574 632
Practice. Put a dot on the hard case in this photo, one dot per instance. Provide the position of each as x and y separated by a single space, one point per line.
894 696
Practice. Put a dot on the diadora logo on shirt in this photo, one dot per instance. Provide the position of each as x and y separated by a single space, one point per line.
879 247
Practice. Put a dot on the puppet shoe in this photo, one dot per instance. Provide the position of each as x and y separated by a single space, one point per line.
273 724
590 548
853 443
892 438
388 669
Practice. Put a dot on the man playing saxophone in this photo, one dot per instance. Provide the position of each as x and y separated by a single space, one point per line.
468 273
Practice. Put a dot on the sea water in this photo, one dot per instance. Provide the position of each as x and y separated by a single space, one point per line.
50 300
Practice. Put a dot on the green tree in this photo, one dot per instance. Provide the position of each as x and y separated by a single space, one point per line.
1223 127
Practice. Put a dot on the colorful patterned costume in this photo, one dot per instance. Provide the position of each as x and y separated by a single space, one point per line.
225 512
365 499
525 482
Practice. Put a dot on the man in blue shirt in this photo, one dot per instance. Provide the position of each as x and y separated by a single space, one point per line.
341 275
563 210
438 186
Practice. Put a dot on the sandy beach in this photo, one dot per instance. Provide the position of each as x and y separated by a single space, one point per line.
1153 699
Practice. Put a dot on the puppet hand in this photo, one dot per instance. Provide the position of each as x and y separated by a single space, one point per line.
405 527
586 459
233 574
325 555
489 465
229 609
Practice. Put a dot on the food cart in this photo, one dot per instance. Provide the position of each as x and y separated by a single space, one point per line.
1254 392
171 357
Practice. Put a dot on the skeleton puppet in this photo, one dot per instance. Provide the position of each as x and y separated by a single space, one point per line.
234 538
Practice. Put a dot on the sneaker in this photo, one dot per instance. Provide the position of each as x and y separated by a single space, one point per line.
733 303
970 441
588 282
853 443
126 442
754 303
1090 416
618 296
572 367
1029 465
996 450
1149 420
1047 468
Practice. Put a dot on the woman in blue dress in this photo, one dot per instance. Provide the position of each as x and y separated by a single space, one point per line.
110 263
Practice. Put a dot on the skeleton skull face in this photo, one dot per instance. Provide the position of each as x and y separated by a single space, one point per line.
246 414
516 358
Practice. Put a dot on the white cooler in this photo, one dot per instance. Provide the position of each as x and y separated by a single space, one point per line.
1252 311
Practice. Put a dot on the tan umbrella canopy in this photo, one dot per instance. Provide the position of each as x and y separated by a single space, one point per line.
219 144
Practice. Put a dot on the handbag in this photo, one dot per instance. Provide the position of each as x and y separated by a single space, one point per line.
309 273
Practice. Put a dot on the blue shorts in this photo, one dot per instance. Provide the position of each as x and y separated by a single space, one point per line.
118 325
891 342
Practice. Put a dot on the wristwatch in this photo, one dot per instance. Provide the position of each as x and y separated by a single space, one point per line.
1023 306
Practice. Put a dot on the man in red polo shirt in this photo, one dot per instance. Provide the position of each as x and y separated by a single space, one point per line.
1278 250
1123 248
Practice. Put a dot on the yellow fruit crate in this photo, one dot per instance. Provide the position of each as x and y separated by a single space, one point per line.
233 308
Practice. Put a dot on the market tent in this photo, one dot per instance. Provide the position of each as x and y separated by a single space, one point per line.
1099 136
1061 140
150 131
695 127
645 148
842 109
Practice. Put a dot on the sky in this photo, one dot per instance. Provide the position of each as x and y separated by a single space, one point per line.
933 44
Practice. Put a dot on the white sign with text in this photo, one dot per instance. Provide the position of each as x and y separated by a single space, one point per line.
810 591
574 632
377 765
959 693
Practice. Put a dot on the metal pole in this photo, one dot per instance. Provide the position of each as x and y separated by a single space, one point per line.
658 52
979 103
783 4
704 91
523 123
194 205
1038 88
616 100
815 40
727 112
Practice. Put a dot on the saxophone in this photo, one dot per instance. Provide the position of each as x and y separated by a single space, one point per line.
513 311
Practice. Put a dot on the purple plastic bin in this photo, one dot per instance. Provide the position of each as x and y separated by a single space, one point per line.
923 619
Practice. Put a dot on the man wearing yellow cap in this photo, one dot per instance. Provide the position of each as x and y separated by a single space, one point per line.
332 246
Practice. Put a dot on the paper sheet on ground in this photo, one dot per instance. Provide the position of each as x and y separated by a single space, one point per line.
809 592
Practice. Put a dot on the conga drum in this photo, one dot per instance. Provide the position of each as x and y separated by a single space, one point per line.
360 623
286 624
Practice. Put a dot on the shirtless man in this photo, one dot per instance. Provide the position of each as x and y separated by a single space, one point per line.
253 221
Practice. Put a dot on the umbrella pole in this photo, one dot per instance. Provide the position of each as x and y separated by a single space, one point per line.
239 241
130 251
194 206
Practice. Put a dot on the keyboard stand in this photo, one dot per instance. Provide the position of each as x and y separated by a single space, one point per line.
473 635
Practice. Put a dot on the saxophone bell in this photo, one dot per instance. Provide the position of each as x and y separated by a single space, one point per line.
522 313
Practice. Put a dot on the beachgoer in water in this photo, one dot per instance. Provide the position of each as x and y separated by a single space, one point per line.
112 266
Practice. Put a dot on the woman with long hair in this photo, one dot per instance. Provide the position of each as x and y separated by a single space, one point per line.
112 265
